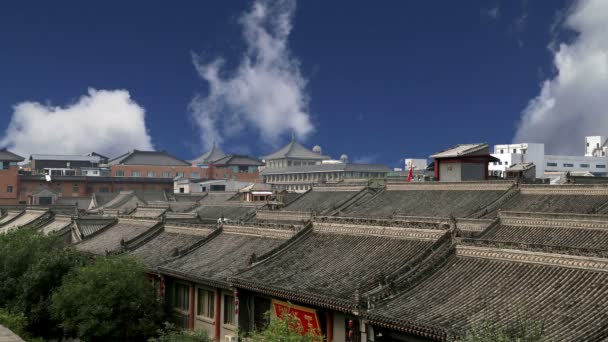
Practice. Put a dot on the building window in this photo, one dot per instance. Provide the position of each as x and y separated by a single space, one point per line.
228 309
75 189
181 296
568 165
205 303
502 151
120 173
151 174
551 164
135 174
514 150
9 188
166 174
180 174
587 144
600 166
104 189
195 175
585 166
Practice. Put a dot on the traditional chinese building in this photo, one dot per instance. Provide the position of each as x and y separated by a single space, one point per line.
466 162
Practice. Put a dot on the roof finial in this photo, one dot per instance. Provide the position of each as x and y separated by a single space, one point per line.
293 136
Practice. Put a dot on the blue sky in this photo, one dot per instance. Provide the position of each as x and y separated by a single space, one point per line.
384 82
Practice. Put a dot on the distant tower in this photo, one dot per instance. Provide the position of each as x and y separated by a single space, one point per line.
344 158
317 149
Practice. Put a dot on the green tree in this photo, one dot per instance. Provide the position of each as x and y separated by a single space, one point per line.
172 334
287 328
110 299
33 267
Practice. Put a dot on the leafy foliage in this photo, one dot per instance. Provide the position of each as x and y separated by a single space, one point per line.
108 300
287 328
33 267
17 324
172 334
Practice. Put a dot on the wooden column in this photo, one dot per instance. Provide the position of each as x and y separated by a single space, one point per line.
437 169
217 315
329 323
191 309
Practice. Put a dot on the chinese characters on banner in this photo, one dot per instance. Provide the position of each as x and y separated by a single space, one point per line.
307 318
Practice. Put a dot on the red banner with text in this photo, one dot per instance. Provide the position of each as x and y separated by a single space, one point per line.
307 318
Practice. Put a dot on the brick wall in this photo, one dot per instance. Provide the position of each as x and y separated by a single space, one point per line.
9 178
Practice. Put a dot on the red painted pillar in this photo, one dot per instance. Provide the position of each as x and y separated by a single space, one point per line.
191 309
217 311
210 174
329 322
437 169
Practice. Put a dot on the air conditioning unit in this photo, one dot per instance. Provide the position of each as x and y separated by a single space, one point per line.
229 338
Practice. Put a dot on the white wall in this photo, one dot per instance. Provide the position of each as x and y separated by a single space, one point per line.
575 163
510 154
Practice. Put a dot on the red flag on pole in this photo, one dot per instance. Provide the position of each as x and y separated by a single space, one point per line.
410 174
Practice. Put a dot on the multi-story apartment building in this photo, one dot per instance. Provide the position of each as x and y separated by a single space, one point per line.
594 161
9 177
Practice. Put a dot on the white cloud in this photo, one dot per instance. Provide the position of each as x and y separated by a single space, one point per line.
266 92
105 121
573 104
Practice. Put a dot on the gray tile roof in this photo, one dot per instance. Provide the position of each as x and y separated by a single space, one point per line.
225 254
338 167
212 155
109 239
553 203
459 203
320 201
91 159
58 223
29 216
462 150
155 158
82 203
520 167
232 212
172 239
237 160
6 155
294 150
334 264
562 232
475 287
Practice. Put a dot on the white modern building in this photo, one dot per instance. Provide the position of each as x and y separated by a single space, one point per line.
595 146
415 164
594 161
